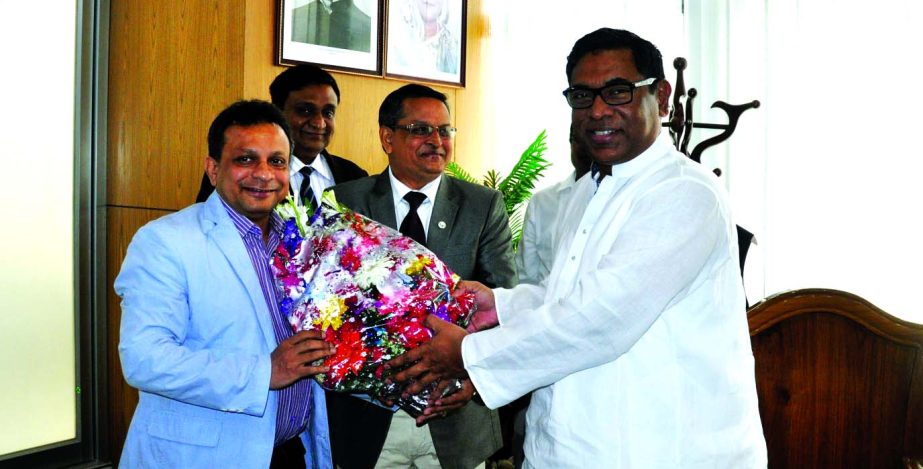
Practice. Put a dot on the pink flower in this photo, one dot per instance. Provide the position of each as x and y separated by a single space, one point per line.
367 287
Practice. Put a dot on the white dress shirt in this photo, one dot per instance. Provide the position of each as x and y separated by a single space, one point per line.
402 207
406 443
536 248
637 345
321 178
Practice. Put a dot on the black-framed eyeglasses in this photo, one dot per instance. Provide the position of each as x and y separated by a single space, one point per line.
425 130
613 94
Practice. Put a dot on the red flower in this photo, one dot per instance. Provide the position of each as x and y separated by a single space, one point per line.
324 245
414 333
350 352
461 307
280 263
350 259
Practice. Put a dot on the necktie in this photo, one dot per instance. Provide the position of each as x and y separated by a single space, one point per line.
305 193
599 171
412 226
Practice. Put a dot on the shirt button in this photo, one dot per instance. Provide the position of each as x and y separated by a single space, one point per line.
573 258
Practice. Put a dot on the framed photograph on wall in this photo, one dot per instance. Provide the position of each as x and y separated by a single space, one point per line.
344 35
426 40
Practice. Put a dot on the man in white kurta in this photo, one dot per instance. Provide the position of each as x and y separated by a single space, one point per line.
535 254
637 345
638 349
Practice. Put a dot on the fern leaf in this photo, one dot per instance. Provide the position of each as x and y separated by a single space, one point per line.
518 185
517 221
457 172
492 180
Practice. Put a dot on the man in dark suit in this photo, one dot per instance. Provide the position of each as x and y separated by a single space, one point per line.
308 97
467 227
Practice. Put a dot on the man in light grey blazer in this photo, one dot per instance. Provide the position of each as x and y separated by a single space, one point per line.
219 372
467 227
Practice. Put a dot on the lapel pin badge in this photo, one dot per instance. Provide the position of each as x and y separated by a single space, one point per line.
441 225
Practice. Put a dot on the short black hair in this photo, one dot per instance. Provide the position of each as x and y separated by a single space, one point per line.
245 114
392 108
648 59
296 78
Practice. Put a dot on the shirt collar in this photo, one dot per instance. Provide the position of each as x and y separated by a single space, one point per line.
399 189
246 227
567 182
660 147
319 164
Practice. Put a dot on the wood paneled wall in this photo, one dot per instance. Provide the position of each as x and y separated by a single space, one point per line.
173 65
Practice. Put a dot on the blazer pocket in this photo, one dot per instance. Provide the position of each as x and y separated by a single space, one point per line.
193 430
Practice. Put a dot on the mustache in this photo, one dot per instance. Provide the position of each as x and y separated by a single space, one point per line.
430 148
267 186
314 130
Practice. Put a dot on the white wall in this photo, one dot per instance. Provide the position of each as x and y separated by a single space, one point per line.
825 173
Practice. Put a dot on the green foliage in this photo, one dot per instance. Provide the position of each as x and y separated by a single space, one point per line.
517 186
457 172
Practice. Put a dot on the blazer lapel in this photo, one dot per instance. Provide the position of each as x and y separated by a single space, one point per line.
220 228
335 170
380 201
442 221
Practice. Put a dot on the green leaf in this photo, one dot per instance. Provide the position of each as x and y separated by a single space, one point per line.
517 186
457 172
517 221
492 180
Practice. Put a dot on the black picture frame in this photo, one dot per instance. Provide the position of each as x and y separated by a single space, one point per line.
342 35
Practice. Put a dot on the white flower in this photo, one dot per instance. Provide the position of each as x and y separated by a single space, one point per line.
288 209
373 271
295 291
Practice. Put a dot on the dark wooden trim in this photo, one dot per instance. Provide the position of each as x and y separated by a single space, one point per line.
820 304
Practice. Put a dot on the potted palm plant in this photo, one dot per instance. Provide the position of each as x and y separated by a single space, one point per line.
517 186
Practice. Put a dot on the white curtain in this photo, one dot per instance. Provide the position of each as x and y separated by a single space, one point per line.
824 172
528 46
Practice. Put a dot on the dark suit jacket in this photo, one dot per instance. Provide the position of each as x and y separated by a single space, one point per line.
469 231
342 169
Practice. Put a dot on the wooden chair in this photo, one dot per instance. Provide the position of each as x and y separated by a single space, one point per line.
840 382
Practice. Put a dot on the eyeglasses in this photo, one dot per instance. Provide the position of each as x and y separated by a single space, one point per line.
612 94
425 130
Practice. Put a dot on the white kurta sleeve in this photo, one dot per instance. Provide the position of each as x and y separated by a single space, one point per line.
535 254
530 260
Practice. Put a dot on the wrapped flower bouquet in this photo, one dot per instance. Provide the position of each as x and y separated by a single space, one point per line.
367 287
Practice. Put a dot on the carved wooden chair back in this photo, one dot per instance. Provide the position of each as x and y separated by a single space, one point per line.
840 381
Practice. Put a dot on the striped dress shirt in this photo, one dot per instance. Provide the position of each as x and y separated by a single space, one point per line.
295 400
